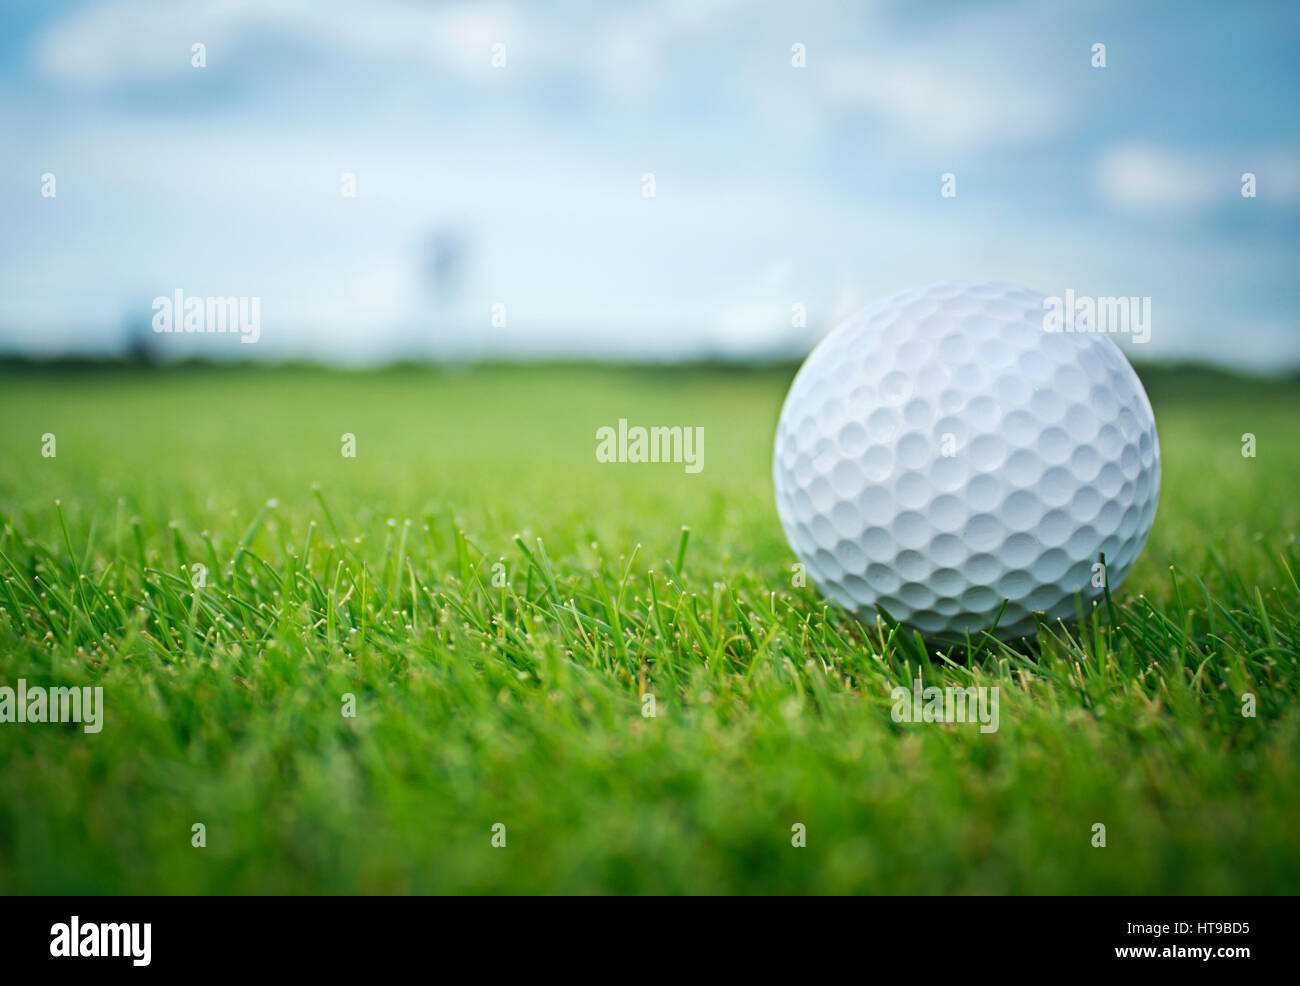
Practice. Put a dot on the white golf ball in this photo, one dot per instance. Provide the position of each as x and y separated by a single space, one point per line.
942 453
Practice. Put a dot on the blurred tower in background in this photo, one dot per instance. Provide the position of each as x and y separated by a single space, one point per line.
442 277
445 265
139 341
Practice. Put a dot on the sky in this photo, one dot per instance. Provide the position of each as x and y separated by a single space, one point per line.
502 209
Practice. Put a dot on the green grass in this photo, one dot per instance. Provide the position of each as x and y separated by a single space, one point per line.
521 704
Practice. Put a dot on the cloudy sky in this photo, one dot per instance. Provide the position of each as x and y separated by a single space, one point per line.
521 185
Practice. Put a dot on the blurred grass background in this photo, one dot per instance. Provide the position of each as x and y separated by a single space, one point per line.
519 720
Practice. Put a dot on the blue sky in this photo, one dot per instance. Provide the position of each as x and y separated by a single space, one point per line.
774 185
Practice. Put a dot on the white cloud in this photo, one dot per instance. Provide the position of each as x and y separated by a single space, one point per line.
1278 174
940 102
624 48
1148 176
140 39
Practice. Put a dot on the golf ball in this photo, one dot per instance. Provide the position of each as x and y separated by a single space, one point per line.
942 454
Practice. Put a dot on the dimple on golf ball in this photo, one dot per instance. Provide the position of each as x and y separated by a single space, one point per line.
944 457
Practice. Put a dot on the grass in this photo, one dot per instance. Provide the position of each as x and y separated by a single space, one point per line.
521 704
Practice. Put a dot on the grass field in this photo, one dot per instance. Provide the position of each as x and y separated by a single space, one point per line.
480 704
